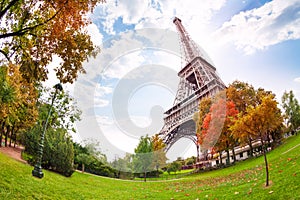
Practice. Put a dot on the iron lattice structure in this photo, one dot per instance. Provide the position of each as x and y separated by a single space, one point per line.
198 79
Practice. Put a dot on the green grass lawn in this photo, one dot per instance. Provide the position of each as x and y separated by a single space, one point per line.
245 180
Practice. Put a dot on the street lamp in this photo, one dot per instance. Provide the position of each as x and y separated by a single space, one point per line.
37 171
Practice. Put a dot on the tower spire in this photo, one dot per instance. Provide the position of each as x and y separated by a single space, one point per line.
189 46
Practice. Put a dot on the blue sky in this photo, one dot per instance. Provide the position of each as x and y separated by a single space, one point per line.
253 41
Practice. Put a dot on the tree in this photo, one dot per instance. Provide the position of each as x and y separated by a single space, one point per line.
216 127
291 109
242 95
159 155
174 167
123 166
17 103
260 121
143 156
199 117
32 31
58 152
84 159
65 111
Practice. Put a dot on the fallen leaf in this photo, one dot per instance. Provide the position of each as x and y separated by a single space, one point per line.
271 192
250 191
236 193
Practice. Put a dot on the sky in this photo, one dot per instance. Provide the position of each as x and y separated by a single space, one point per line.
133 80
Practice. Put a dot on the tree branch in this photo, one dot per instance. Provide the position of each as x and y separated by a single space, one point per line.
25 30
5 54
2 13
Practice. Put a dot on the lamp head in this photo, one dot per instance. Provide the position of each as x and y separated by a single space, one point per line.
58 86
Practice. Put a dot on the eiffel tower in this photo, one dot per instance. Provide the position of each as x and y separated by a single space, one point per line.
198 79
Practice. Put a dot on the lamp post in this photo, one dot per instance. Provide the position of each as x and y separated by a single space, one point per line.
37 171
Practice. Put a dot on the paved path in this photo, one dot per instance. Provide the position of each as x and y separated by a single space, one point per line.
291 149
15 153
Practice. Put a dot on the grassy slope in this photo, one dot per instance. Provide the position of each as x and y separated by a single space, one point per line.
244 180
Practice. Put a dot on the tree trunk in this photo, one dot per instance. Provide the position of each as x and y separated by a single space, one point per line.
228 157
220 154
82 168
145 176
15 137
251 148
233 154
2 132
266 161
6 135
11 135
198 153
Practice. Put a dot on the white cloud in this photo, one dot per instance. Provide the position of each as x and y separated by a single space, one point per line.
297 80
96 36
124 64
256 29
159 13
99 96
100 103
102 90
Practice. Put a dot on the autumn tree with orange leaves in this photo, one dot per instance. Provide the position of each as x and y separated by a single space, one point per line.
33 31
259 121
243 95
216 127
17 103
199 117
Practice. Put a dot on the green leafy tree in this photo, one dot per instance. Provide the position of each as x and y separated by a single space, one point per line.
191 161
58 152
88 158
174 167
84 159
291 109
143 158
123 167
